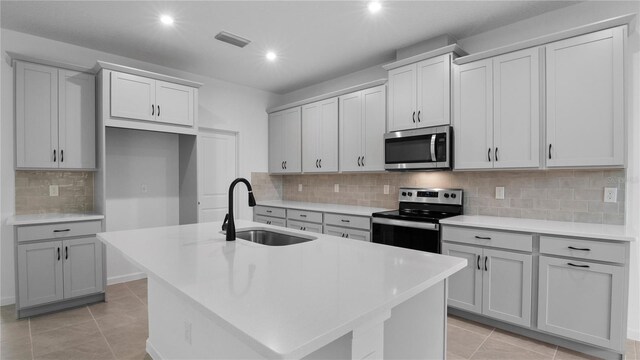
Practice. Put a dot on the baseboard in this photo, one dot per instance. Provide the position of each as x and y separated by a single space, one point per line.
155 355
9 300
633 334
125 278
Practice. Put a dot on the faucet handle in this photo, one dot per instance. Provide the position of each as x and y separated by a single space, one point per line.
224 223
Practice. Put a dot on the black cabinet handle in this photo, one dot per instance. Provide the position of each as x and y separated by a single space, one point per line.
54 155
62 230
478 262
282 165
342 235
496 154
58 254
485 263
347 236
418 115
158 110
153 109
580 266
66 252
316 163
285 164
269 211
303 215
359 160
301 228
345 220
549 151
414 117
483 237
320 163
61 155
363 160
581 249
489 154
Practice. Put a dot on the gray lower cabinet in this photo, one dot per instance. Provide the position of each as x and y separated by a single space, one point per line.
305 226
269 220
57 270
348 233
495 283
582 300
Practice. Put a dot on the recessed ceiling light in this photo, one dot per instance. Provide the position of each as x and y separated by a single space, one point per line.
166 19
271 56
374 6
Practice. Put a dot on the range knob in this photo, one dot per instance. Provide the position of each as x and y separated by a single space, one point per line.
453 196
410 193
404 193
446 195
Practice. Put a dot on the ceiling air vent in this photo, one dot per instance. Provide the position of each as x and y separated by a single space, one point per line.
232 39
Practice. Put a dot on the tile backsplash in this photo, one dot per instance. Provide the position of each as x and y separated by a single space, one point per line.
564 195
75 190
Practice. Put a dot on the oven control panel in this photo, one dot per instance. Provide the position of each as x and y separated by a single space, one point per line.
431 196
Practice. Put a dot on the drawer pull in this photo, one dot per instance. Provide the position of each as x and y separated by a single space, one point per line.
66 252
483 237
58 254
580 266
63 230
303 215
269 211
581 249
345 220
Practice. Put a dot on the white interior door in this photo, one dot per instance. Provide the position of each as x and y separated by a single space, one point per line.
218 167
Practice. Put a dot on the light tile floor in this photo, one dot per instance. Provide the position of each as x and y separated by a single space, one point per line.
118 329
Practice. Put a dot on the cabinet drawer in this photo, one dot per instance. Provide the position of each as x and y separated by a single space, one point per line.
270 211
347 233
59 230
583 249
499 239
304 226
302 215
270 220
359 222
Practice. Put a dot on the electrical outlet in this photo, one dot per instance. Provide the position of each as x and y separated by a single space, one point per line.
144 188
610 195
336 187
500 192
53 190
386 189
187 332
299 187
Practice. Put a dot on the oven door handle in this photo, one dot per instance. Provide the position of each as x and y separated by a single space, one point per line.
404 223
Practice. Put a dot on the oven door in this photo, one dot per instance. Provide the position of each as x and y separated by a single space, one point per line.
407 234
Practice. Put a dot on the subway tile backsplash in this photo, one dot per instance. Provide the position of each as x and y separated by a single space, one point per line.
563 195
75 192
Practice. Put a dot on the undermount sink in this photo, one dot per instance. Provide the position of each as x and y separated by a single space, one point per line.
271 238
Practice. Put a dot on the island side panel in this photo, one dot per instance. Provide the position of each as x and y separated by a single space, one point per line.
417 327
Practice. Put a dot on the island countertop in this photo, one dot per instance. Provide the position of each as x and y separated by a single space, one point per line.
284 301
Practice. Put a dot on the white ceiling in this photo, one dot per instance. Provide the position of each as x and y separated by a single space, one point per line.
315 40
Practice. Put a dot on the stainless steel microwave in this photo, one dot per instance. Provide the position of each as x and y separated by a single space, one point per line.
419 149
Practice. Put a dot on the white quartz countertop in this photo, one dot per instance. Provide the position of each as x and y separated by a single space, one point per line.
34 219
284 301
328 208
562 228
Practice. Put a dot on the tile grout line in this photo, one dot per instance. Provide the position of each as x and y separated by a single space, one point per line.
101 333
482 343
555 353
134 294
30 338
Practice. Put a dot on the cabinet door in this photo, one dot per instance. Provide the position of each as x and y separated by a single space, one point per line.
82 267
473 115
374 111
36 116
582 301
433 95
77 121
334 231
276 140
585 104
465 286
311 136
291 131
351 131
516 118
133 97
506 286
328 135
402 98
174 103
39 273
358 235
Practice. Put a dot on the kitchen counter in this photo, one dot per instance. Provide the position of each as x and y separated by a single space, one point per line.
322 207
34 219
583 230
284 301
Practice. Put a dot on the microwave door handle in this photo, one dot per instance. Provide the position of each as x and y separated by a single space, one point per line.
433 147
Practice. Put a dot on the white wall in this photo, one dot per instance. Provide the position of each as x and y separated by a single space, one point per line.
222 104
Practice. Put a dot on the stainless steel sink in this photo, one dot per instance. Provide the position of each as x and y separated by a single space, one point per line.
272 238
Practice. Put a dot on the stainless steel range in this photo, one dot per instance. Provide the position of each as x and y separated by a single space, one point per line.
416 224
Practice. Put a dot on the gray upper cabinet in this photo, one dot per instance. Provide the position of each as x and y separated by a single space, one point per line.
55 118
40 273
320 136
285 141
585 100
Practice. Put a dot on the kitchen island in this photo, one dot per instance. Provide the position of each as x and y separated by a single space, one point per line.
329 298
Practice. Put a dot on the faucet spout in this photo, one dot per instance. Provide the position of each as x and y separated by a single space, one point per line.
229 224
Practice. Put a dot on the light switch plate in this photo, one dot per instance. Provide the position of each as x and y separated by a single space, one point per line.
336 187
610 195
53 190
299 187
386 189
500 192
